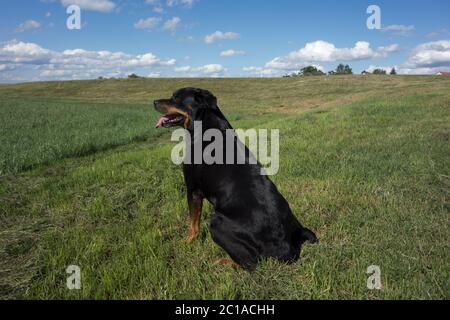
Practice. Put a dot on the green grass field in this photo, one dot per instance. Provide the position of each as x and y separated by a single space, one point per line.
87 180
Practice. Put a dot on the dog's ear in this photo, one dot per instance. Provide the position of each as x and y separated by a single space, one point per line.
208 111
206 99
212 118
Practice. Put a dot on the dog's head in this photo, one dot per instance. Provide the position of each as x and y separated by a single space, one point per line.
188 105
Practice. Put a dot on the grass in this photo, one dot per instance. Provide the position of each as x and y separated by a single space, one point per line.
363 162
46 121
39 132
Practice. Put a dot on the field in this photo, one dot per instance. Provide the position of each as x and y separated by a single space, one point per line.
86 180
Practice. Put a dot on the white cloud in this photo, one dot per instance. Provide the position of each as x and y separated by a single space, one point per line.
262 72
7 67
322 51
431 54
171 24
443 32
267 71
21 52
419 71
209 70
187 39
157 6
58 73
212 69
154 75
28 25
285 64
219 35
383 52
75 63
399 29
158 9
317 52
231 53
152 22
149 23
183 69
326 52
428 58
94 5
186 3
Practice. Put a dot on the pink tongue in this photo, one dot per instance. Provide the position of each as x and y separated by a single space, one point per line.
161 121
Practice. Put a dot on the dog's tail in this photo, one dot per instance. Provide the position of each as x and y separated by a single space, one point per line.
302 235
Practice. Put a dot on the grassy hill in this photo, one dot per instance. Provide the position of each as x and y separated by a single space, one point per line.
46 121
86 180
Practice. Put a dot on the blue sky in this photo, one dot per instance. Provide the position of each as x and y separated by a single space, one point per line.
182 38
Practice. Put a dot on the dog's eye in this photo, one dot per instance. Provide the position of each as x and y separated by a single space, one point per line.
189 101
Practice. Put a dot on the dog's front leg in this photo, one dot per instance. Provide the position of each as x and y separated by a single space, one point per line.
195 201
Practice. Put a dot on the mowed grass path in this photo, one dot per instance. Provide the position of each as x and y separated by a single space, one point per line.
369 175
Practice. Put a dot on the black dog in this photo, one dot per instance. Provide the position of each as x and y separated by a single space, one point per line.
251 219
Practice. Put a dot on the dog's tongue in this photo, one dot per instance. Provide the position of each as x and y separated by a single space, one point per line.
161 121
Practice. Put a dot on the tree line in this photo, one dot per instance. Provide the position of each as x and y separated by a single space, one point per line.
341 69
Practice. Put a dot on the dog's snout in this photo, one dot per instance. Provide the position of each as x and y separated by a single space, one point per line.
158 105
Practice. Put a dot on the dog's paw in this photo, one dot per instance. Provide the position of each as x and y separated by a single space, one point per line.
310 236
191 237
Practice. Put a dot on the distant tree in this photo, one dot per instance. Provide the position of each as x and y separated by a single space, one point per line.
393 72
133 76
347 69
342 69
311 71
379 71
100 78
306 71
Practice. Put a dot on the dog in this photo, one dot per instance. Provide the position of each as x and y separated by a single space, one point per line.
251 218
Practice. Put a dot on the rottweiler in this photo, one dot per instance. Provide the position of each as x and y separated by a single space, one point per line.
251 218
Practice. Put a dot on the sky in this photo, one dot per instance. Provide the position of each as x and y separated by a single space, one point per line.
218 38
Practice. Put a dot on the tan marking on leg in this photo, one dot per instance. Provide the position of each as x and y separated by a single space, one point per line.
226 261
195 212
